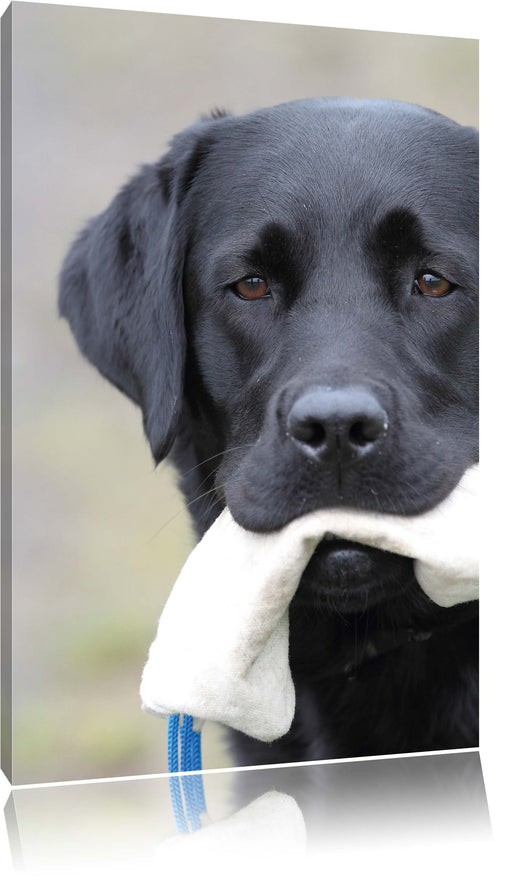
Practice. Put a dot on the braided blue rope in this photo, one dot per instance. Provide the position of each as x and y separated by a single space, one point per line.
184 755
172 742
174 782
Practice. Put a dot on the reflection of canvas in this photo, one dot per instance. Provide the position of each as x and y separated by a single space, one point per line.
419 802
98 536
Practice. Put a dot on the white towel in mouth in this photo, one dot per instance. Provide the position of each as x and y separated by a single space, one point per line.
221 649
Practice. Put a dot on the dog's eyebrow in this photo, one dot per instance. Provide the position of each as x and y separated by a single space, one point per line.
285 255
398 233
272 250
401 236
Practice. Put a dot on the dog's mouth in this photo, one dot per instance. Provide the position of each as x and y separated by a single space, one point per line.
348 576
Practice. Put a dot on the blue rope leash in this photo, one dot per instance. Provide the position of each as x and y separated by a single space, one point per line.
184 755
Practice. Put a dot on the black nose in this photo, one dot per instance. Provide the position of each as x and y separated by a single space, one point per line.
337 424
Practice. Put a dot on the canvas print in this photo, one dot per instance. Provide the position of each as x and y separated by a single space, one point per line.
245 394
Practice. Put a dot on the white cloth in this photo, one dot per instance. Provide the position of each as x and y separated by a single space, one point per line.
221 650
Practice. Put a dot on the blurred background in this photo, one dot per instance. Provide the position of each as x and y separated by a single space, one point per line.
99 534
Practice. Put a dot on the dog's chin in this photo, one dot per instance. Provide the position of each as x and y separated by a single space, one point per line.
349 577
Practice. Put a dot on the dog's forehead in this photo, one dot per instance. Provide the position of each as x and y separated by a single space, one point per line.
335 157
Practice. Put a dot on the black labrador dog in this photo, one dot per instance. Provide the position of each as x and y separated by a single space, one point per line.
291 298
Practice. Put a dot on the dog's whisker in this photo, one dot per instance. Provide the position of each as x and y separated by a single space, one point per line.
180 512
189 503
214 457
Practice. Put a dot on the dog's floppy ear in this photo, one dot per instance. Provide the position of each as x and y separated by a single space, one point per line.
121 286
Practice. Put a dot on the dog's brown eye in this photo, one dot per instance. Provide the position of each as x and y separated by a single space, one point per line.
252 288
434 286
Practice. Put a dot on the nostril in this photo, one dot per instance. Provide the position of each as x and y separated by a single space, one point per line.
365 432
357 434
311 433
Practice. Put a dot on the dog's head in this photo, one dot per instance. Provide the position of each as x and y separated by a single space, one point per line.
296 290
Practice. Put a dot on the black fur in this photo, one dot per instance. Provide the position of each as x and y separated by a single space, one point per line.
339 206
